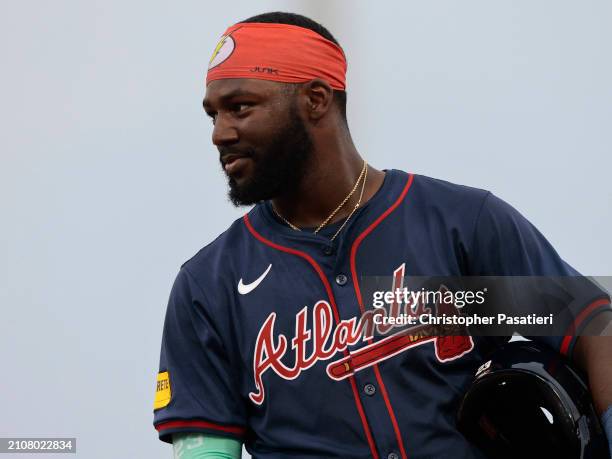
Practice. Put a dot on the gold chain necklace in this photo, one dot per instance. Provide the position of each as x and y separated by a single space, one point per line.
364 175
285 220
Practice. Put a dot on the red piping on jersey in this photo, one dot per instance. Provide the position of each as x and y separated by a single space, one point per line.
360 238
565 344
332 301
203 424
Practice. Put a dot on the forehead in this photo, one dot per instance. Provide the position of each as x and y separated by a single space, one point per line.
218 91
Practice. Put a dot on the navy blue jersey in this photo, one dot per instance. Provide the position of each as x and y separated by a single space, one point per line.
261 339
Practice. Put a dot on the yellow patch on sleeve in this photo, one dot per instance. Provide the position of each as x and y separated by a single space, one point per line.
162 390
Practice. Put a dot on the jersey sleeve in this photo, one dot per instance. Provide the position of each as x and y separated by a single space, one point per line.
196 385
507 244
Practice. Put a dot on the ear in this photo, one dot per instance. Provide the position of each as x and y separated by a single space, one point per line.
318 96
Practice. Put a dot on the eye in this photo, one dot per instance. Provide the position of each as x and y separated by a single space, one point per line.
240 107
212 116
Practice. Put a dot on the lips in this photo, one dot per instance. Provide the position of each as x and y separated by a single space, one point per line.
232 163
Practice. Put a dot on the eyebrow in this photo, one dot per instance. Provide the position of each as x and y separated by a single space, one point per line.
224 98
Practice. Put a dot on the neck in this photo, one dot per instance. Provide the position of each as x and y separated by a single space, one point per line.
332 174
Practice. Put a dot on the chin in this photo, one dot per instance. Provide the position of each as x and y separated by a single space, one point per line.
243 193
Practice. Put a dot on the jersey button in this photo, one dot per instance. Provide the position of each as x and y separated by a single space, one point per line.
369 389
392 456
341 279
328 250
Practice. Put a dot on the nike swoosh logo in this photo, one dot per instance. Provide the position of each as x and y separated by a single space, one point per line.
243 289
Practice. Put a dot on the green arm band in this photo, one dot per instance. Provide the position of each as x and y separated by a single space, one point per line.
203 446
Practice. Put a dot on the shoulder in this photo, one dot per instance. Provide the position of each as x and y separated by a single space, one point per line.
434 190
214 260
441 200
480 209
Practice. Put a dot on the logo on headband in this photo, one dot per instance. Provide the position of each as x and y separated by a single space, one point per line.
223 50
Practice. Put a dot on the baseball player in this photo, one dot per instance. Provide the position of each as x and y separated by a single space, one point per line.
269 339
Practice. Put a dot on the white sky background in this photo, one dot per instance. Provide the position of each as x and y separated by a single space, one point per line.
109 181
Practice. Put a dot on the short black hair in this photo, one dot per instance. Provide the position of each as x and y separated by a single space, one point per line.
280 17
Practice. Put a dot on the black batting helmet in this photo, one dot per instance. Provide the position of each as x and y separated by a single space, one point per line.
526 401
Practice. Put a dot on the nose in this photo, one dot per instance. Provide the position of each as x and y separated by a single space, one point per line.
224 133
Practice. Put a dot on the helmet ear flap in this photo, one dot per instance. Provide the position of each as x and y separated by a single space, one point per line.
526 401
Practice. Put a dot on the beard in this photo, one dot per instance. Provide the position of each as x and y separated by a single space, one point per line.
279 167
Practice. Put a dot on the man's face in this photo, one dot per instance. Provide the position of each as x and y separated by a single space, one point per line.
263 143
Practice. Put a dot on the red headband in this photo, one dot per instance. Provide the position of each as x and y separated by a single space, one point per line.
277 52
